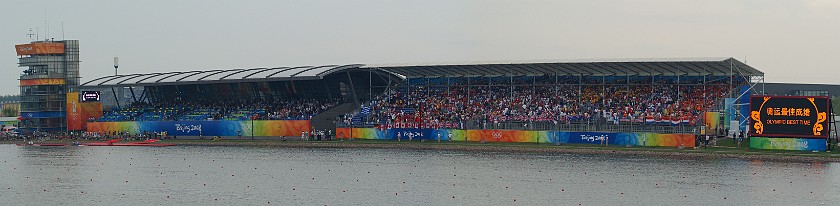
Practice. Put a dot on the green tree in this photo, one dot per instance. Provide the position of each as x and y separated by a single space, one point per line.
9 98
835 104
9 112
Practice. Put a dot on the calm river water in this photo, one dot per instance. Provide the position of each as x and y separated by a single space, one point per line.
215 175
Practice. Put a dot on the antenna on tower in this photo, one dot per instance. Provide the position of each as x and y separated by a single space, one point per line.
30 34
116 64
46 26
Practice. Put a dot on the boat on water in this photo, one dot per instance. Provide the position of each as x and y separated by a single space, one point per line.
44 144
114 142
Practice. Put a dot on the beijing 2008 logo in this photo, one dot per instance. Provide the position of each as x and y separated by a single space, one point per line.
74 113
497 135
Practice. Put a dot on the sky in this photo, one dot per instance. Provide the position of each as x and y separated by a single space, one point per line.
790 40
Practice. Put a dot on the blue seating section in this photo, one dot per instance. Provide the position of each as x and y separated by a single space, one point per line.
186 114
232 110
142 114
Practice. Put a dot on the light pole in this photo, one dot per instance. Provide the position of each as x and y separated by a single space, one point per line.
116 65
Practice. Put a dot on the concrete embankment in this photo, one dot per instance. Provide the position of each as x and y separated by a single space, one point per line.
712 152
665 152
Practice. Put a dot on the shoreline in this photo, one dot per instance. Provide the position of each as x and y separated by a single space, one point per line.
712 152
767 155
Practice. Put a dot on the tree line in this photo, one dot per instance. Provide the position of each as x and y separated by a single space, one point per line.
9 98
9 111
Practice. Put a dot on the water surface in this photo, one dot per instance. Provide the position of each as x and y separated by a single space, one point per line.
216 175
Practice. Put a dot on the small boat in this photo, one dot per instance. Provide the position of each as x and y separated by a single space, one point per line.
44 144
127 144
115 142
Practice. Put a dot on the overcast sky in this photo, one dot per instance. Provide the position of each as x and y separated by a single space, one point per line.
790 40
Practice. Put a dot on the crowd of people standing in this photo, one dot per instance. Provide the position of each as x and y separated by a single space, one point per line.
451 105
224 109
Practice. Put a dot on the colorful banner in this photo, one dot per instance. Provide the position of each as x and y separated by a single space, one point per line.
504 136
50 81
400 133
664 140
271 128
728 113
39 48
744 107
79 113
788 144
279 127
635 139
711 121
74 116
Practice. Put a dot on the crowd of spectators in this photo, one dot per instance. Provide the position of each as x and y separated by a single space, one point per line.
452 105
223 109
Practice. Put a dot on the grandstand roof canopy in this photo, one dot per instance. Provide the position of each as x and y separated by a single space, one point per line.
593 67
220 76
722 66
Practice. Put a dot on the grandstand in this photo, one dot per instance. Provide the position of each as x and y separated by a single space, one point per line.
616 95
